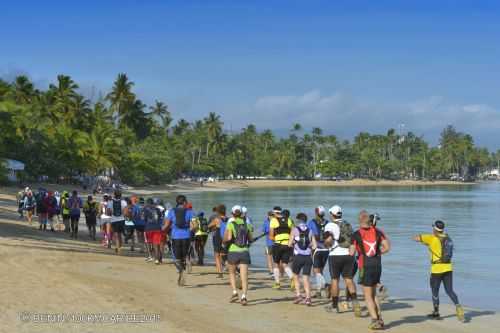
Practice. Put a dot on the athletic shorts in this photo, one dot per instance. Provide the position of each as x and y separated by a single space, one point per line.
90 220
217 242
118 226
181 248
139 228
269 250
236 258
320 258
341 265
281 253
370 273
302 263
154 237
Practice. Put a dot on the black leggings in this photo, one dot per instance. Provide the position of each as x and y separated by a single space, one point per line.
74 224
447 279
181 250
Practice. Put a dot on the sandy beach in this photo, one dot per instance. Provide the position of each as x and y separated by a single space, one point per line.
47 273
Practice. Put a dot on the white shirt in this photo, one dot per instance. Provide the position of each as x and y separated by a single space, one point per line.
117 218
336 250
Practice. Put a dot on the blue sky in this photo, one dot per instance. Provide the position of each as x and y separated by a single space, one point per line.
344 66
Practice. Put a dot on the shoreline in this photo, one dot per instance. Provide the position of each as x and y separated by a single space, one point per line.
92 279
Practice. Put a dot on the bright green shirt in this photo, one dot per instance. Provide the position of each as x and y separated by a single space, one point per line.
231 226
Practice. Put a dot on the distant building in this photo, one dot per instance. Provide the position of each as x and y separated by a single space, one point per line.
13 169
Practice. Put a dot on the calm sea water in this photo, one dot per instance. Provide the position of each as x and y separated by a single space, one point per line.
471 212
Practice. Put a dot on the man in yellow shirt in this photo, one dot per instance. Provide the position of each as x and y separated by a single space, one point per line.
440 251
280 227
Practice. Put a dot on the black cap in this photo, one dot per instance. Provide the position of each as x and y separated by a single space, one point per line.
438 226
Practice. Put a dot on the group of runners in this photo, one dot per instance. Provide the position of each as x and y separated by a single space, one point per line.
298 248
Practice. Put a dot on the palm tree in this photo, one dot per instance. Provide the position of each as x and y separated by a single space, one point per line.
22 91
160 110
121 96
214 129
64 94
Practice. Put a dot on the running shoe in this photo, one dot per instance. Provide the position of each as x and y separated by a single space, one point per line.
298 299
234 298
307 301
375 325
357 309
276 285
157 262
243 301
460 313
148 259
331 309
434 315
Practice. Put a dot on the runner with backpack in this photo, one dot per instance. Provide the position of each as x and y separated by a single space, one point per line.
370 243
218 226
115 210
29 206
180 220
280 227
90 211
303 242
200 237
138 219
440 247
338 238
75 204
153 224
65 211
320 255
237 237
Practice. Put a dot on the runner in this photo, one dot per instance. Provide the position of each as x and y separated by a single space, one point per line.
138 218
41 209
58 207
115 209
216 225
338 238
302 241
29 206
105 221
65 211
269 243
51 204
180 220
440 248
320 255
129 227
75 204
370 243
238 236
200 237
153 223
280 227
21 196
90 210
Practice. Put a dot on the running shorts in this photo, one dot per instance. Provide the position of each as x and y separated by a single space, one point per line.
236 258
302 263
118 226
154 237
281 253
139 227
370 273
320 258
217 242
341 266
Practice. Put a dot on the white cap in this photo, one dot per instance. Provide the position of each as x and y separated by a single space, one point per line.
335 210
320 210
236 208
26 189
244 210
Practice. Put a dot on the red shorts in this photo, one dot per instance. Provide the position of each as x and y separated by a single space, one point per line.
154 237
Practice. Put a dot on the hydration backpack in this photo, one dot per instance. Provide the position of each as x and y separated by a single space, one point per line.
180 218
241 234
303 241
345 238
361 243
446 251
117 207
283 227
203 224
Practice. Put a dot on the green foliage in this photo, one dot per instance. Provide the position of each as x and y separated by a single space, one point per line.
59 133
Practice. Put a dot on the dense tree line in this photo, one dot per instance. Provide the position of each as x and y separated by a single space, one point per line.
58 132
